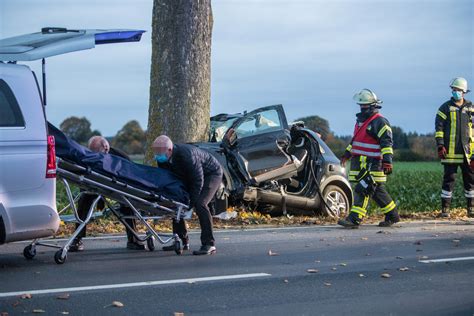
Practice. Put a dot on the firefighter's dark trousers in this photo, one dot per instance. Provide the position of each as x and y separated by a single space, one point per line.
450 171
380 196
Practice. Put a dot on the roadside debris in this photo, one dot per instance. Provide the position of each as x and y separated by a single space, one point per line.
385 275
271 253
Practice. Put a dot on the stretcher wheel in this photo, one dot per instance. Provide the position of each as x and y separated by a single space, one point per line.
150 242
59 258
29 252
177 247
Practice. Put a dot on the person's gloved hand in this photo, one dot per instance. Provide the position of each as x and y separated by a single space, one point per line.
442 152
387 168
344 160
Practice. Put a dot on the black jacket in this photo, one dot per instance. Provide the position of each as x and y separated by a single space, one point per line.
453 125
192 165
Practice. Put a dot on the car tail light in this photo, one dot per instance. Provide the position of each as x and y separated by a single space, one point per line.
51 162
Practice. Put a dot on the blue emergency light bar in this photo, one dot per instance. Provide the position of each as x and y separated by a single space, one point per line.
118 37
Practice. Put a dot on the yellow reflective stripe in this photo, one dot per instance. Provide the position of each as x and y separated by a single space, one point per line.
388 208
442 115
359 210
383 130
439 134
387 150
349 147
366 202
452 160
452 134
460 156
363 162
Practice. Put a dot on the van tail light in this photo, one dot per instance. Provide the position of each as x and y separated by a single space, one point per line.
51 162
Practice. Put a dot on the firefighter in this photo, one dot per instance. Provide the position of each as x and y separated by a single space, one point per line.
455 143
371 154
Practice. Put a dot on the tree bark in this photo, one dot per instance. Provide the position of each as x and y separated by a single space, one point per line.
180 79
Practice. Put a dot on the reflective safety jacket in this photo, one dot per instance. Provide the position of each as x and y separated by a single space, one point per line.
453 127
370 147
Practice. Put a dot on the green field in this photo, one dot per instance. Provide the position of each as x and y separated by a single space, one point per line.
415 187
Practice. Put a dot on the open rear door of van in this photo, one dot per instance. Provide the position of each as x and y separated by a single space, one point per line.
52 41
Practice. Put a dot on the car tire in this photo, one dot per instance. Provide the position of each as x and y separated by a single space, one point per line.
337 199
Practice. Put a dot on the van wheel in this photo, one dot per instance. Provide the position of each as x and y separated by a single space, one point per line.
29 252
337 201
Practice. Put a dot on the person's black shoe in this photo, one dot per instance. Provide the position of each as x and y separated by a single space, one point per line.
391 218
205 250
76 246
351 221
172 248
131 245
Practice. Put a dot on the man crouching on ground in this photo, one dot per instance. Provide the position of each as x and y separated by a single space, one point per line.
202 176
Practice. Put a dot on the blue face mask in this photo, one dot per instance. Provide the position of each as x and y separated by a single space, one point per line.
161 158
457 95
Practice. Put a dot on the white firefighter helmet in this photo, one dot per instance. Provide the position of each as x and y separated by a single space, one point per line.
459 83
366 97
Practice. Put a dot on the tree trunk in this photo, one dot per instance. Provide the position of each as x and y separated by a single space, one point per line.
180 80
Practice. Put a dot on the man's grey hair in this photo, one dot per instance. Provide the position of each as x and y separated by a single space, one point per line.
98 144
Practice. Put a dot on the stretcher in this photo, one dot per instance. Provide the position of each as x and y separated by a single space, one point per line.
147 207
152 194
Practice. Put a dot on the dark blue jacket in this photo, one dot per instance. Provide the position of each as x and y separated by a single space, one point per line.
192 165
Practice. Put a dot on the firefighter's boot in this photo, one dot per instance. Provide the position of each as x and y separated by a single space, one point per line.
470 208
351 221
445 204
391 218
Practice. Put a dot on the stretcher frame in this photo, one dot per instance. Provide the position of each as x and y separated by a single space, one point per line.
145 206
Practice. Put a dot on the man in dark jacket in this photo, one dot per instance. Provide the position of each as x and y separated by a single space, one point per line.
101 145
202 176
454 138
371 156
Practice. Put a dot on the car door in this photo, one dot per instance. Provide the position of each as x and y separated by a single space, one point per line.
261 137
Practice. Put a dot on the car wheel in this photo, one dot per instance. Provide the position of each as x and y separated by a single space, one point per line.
337 201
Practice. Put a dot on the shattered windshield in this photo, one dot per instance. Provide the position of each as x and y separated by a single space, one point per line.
219 127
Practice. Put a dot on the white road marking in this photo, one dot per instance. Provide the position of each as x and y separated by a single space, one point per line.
135 284
447 260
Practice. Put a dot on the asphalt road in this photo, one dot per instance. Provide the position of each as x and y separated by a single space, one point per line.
244 279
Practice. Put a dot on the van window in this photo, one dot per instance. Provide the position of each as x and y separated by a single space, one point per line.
10 114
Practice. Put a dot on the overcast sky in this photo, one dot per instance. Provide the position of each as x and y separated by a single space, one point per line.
311 56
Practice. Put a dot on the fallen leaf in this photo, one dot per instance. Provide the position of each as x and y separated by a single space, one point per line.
398 257
312 271
178 314
385 275
285 280
361 275
65 313
117 304
364 238
64 296
38 311
327 283
26 296
333 268
271 253
403 269
343 264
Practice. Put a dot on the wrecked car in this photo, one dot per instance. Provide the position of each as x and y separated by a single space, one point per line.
274 167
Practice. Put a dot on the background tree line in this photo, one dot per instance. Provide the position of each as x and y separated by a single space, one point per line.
131 138
407 146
